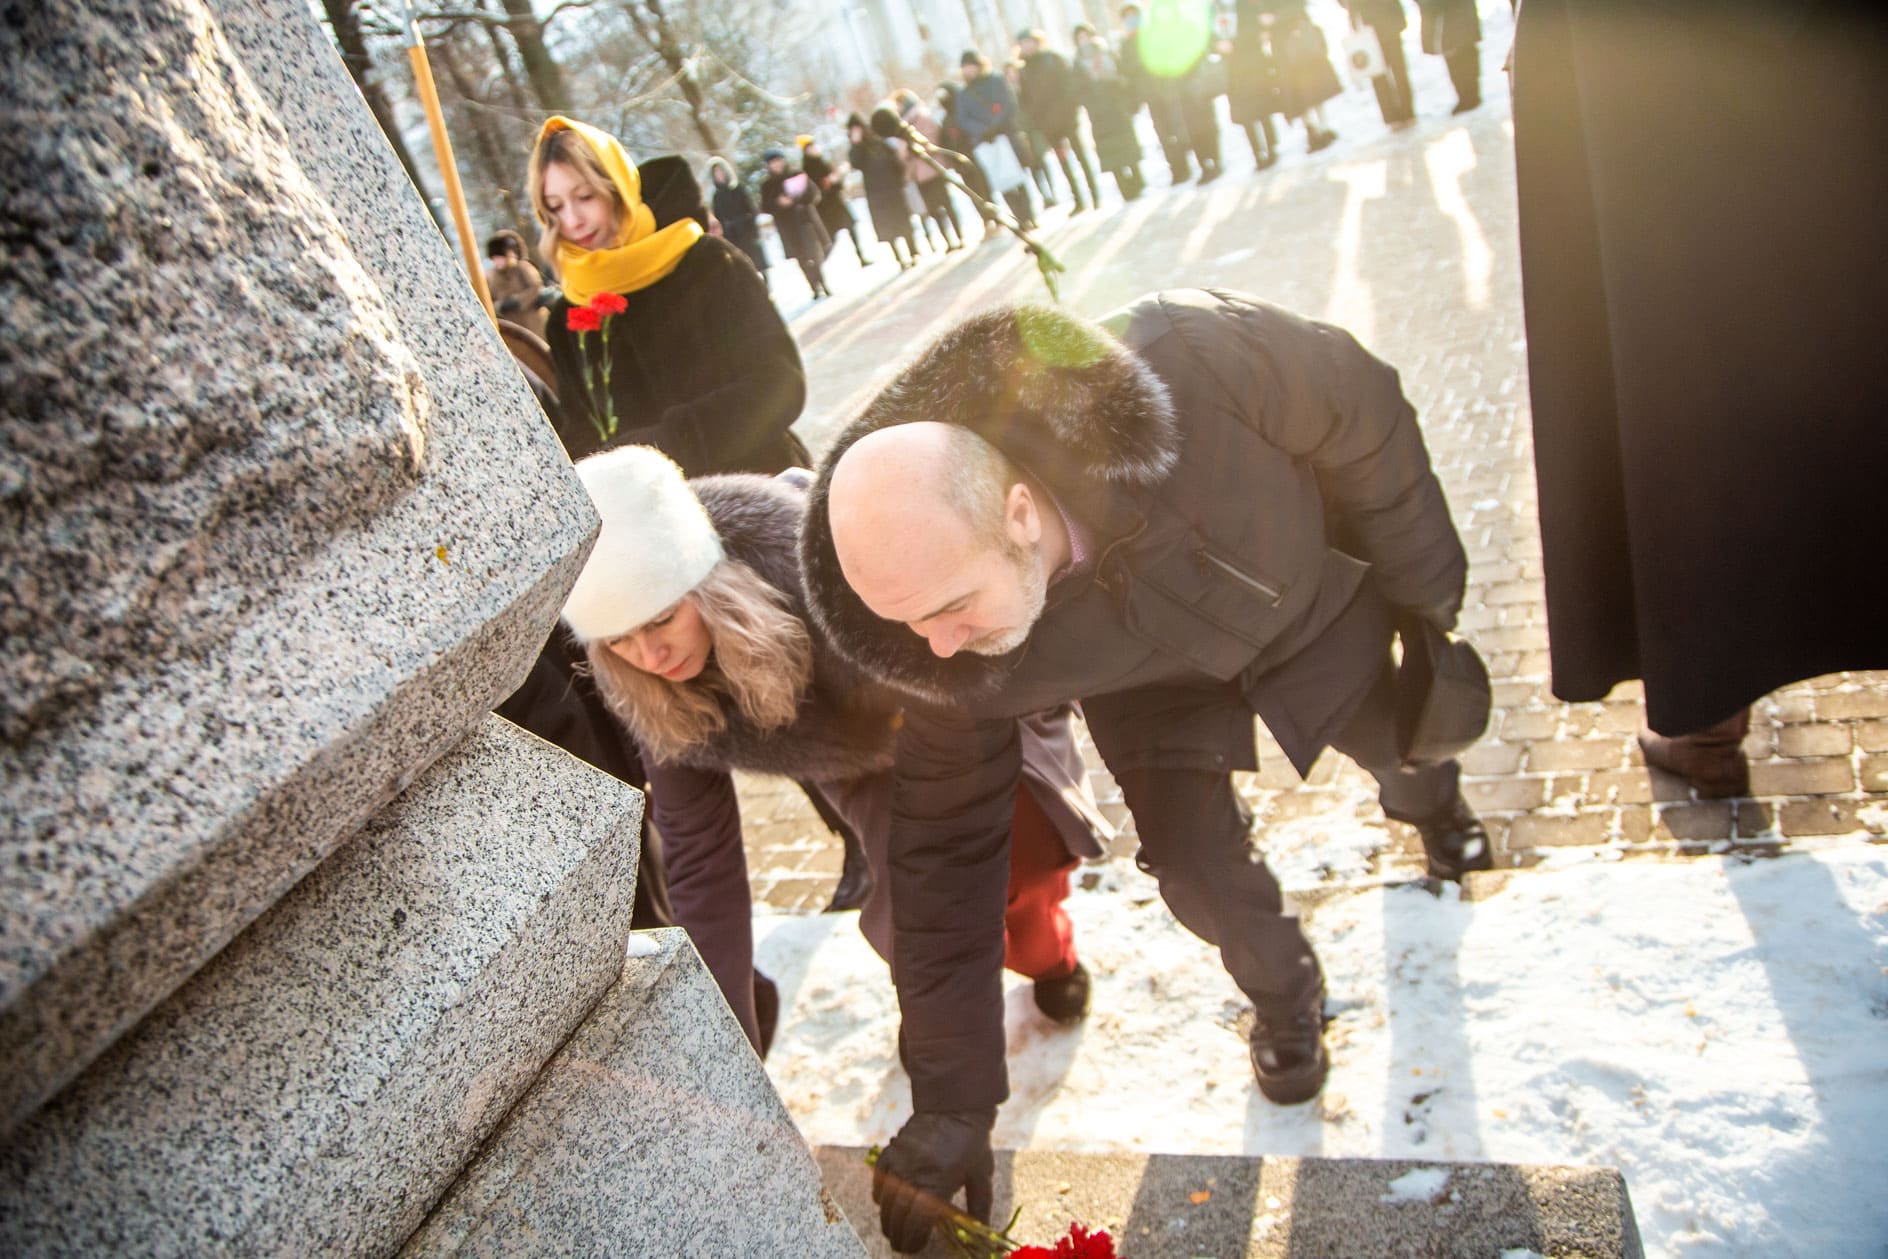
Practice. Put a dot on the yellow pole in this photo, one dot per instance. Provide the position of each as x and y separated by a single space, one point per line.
448 169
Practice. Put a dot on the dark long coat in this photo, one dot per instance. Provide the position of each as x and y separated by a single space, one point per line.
882 168
1251 74
740 222
1049 95
1703 278
700 367
1109 103
1450 25
1219 453
803 234
834 211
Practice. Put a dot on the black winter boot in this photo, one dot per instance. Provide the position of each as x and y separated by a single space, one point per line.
1712 759
1288 1054
1455 841
1064 1000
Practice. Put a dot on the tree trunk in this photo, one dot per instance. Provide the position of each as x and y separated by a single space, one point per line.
347 35
546 76
652 23
497 164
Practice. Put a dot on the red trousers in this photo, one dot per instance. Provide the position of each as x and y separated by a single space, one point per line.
1038 939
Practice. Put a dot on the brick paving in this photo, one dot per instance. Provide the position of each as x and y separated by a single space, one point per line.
1409 240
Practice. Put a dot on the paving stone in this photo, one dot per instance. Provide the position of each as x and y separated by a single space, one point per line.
1505 795
1631 786
1802 778
1872 736
1830 817
1821 739
1543 830
1492 758
1754 818
1633 824
1874 773
1574 754
1529 724
654 1131
323 1079
1843 705
1705 820
1791 709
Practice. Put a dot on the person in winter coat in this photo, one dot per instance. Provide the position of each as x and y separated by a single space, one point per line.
694 360
950 112
986 114
1105 97
1702 277
691 612
793 198
514 282
1306 78
835 212
1032 147
1396 99
1150 85
734 210
882 167
1452 30
1051 97
934 191
1208 507
1252 80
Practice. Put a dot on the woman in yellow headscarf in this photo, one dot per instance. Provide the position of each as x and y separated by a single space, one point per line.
665 335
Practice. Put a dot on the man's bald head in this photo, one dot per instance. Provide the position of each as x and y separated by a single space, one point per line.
931 525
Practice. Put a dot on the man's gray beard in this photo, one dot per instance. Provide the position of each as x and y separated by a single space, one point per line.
1028 562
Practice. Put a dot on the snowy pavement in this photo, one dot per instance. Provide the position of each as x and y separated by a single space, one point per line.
1714 1028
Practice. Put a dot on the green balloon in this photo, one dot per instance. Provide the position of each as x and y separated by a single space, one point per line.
1174 36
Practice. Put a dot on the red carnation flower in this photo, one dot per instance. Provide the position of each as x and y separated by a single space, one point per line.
609 304
583 319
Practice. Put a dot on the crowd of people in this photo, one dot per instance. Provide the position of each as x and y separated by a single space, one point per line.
1013 133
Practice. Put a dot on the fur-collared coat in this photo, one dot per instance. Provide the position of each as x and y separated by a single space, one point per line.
1238 470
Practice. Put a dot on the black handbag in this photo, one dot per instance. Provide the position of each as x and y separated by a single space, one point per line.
1443 697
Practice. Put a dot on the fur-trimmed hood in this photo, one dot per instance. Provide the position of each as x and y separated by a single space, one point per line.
846 723
1060 397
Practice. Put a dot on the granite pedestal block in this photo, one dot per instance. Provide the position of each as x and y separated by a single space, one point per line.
1182 1206
280 518
316 1087
655 1131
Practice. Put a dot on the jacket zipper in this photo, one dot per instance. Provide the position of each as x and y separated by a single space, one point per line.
1238 574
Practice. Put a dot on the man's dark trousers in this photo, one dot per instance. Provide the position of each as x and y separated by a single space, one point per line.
1195 831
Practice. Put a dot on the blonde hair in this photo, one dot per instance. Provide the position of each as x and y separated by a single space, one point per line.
568 147
762 660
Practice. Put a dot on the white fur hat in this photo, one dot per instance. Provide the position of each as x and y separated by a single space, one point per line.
656 544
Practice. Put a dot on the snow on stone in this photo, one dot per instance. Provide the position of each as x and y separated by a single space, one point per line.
1714 1029
1425 1184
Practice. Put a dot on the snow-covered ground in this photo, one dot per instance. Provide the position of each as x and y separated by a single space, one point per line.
1717 1030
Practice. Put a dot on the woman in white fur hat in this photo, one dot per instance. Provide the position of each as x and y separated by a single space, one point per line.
691 611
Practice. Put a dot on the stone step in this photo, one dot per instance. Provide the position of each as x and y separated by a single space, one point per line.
1188 1206
317 1086
655 1131
277 556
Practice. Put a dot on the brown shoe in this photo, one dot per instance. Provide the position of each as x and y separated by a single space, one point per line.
1712 760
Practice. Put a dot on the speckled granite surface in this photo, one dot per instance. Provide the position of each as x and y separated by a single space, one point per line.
281 520
317 1086
655 1131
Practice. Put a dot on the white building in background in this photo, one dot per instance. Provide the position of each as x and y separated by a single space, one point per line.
864 44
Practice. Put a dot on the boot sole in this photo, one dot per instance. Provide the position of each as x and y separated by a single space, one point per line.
1298 1085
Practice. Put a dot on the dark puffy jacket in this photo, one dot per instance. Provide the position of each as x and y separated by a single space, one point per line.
985 107
1238 469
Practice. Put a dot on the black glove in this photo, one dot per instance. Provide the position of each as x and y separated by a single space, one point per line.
934 1154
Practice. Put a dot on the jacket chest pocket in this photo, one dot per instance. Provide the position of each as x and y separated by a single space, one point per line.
1214 610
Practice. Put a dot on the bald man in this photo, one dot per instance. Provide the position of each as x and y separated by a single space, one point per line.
1208 508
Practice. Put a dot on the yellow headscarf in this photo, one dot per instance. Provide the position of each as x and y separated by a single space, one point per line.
642 254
